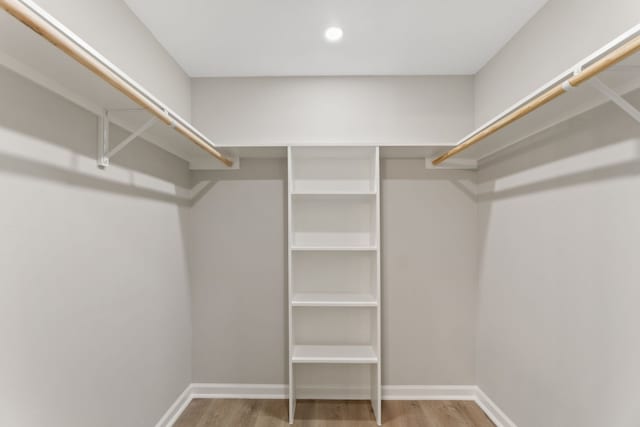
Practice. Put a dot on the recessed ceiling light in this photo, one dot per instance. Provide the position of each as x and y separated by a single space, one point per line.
333 34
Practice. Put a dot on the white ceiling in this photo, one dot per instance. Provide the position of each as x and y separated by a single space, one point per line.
381 37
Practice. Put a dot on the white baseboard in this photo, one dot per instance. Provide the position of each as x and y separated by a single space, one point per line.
239 391
428 392
492 410
280 391
178 407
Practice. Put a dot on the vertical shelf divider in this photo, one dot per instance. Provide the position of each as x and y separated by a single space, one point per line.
376 378
292 387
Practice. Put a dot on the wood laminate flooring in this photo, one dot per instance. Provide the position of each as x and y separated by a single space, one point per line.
331 413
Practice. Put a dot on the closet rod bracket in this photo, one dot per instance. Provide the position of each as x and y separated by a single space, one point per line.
105 153
103 139
601 87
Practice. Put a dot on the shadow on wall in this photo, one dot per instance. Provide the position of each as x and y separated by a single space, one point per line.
18 165
250 169
414 169
49 138
45 137
601 144
238 226
557 270
107 246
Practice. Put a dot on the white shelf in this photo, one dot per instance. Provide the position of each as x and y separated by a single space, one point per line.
253 150
349 354
622 78
28 54
331 193
333 300
331 186
334 248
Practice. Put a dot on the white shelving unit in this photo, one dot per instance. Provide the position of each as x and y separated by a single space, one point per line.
334 268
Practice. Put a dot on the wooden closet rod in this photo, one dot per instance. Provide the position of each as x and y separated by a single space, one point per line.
627 49
107 72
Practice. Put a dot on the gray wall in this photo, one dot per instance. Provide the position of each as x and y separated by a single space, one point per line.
558 337
94 314
370 110
239 224
238 264
562 33
555 341
238 227
429 266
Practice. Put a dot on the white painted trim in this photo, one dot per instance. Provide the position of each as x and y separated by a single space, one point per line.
238 391
493 411
281 391
429 392
176 409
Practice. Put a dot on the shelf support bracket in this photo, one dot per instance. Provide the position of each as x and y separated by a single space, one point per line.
104 153
103 139
599 85
115 150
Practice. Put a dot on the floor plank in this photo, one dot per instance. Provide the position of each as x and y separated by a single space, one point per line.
331 413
